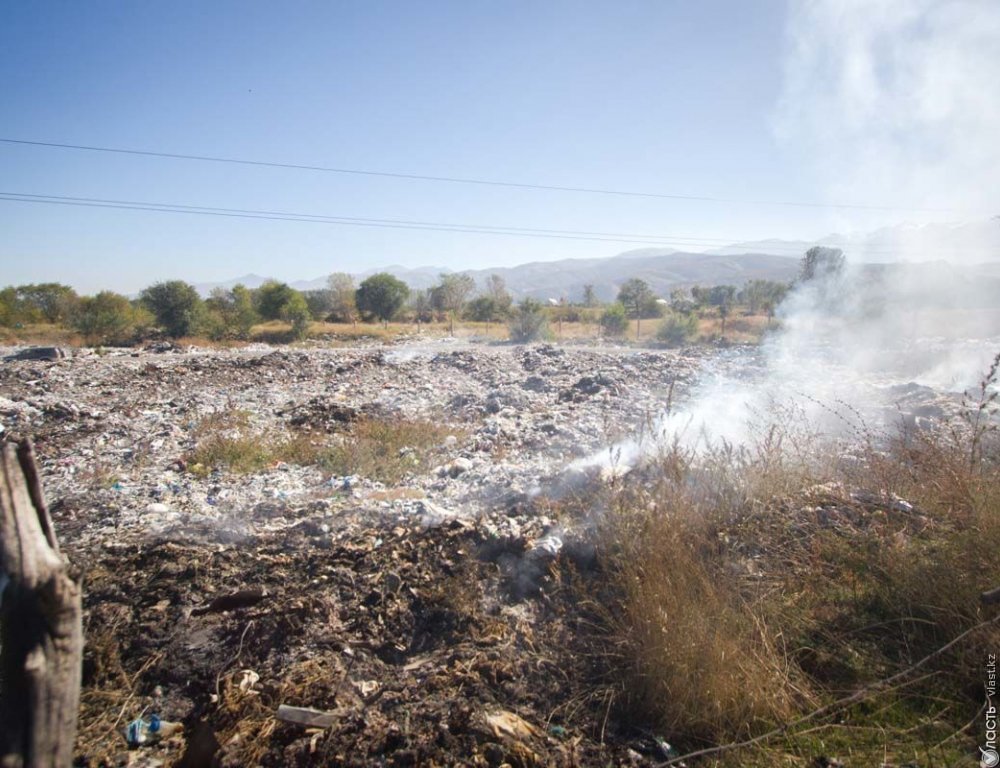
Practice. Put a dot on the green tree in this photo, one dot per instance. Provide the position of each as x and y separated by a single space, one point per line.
296 312
496 290
681 300
319 302
51 302
8 306
493 304
481 309
109 318
590 296
270 299
634 295
244 314
176 306
614 320
529 322
381 296
230 313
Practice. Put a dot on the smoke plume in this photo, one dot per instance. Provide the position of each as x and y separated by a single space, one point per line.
892 104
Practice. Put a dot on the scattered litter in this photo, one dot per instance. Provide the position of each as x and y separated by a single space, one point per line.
141 732
248 679
505 724
367 688
310 718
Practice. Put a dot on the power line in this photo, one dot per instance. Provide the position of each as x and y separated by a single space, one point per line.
475 181
314 219
411 224
355 219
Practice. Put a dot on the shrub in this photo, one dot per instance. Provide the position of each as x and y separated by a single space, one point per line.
296 311
230 314
677 329
529 322
614 320
109 318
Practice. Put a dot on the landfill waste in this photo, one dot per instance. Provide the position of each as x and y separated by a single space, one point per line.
38 353
252 576
141 732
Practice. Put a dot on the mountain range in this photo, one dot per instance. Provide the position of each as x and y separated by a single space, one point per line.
974 246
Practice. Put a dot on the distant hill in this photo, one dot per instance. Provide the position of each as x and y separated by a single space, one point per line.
663 269
975 246
250 281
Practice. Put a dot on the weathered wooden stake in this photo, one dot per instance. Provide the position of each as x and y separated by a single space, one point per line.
41 636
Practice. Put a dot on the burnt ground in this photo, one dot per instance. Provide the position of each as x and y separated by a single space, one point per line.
428 619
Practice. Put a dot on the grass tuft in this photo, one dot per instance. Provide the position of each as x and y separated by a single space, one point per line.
386 450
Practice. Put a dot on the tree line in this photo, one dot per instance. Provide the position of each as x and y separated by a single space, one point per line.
174 308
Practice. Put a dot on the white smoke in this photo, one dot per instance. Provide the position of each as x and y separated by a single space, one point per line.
893 104
896 102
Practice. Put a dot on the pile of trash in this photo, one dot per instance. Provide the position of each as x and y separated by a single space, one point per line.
295 615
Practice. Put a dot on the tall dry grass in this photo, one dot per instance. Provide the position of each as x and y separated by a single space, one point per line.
743 589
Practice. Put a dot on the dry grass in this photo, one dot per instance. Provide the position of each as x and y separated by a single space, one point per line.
744 589
701 664
249 712
692 655
43 334
387 450
740 328
111 696
381 449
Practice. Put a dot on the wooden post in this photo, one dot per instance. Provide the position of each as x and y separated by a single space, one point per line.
41 636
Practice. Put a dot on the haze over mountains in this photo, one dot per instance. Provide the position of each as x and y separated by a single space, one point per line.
662 268
970 250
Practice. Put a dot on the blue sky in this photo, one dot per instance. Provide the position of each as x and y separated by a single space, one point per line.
659 96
